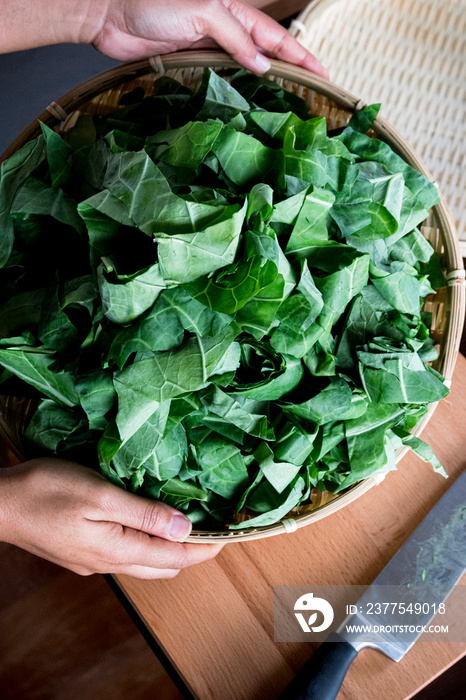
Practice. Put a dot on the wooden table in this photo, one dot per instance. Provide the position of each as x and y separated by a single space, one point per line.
214 621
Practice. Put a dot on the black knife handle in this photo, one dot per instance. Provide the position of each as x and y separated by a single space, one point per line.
321 677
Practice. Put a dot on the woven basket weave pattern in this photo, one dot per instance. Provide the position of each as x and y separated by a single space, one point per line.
102 95
410 55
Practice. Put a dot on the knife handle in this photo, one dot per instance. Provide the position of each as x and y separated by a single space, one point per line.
321 677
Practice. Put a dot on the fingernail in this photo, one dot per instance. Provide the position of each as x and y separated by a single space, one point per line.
180 527
262 63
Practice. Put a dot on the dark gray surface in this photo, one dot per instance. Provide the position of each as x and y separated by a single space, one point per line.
31 80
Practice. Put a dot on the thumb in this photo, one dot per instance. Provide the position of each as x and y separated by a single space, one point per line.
153 517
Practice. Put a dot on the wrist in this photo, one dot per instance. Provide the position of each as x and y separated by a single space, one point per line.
7 500
76 21
89 18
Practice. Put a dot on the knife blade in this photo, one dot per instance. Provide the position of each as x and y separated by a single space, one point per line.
430 562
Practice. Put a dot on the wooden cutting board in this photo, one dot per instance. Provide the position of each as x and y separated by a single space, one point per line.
215 620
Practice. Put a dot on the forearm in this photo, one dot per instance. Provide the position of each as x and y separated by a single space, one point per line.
25 24
6 496
134 29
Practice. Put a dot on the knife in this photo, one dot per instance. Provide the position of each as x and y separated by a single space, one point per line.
432 560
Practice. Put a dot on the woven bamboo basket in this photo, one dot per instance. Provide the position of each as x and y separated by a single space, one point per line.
102 94
410 55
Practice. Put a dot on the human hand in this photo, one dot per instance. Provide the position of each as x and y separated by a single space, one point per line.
132 29
72 516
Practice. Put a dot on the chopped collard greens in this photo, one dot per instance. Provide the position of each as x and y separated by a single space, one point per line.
215 301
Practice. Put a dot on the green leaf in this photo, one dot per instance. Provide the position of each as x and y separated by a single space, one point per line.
260 204
401 290
229 290
35 200
297 332
223 468
21 311
412 248
108 446
13 172
370 149
278 474
259 314
307 164
124 301
264 374
375 416
275 124
148 200
53 428
424 451
161 455
244 159
97 397
292 499
35 368
399 376
268 95
328 405
186 146
224 406
311 223
363 119
162 327
58 154
55 328
221 100
142 386
286 211
185 257
184 489
368 454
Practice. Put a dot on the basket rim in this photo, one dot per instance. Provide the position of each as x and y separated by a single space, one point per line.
106 80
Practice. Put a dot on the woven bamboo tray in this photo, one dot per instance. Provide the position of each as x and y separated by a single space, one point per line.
102 94
410 55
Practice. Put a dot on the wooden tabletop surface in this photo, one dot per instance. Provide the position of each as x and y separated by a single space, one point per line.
215 620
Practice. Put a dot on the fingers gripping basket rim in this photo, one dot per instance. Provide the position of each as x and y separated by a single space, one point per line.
102 94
